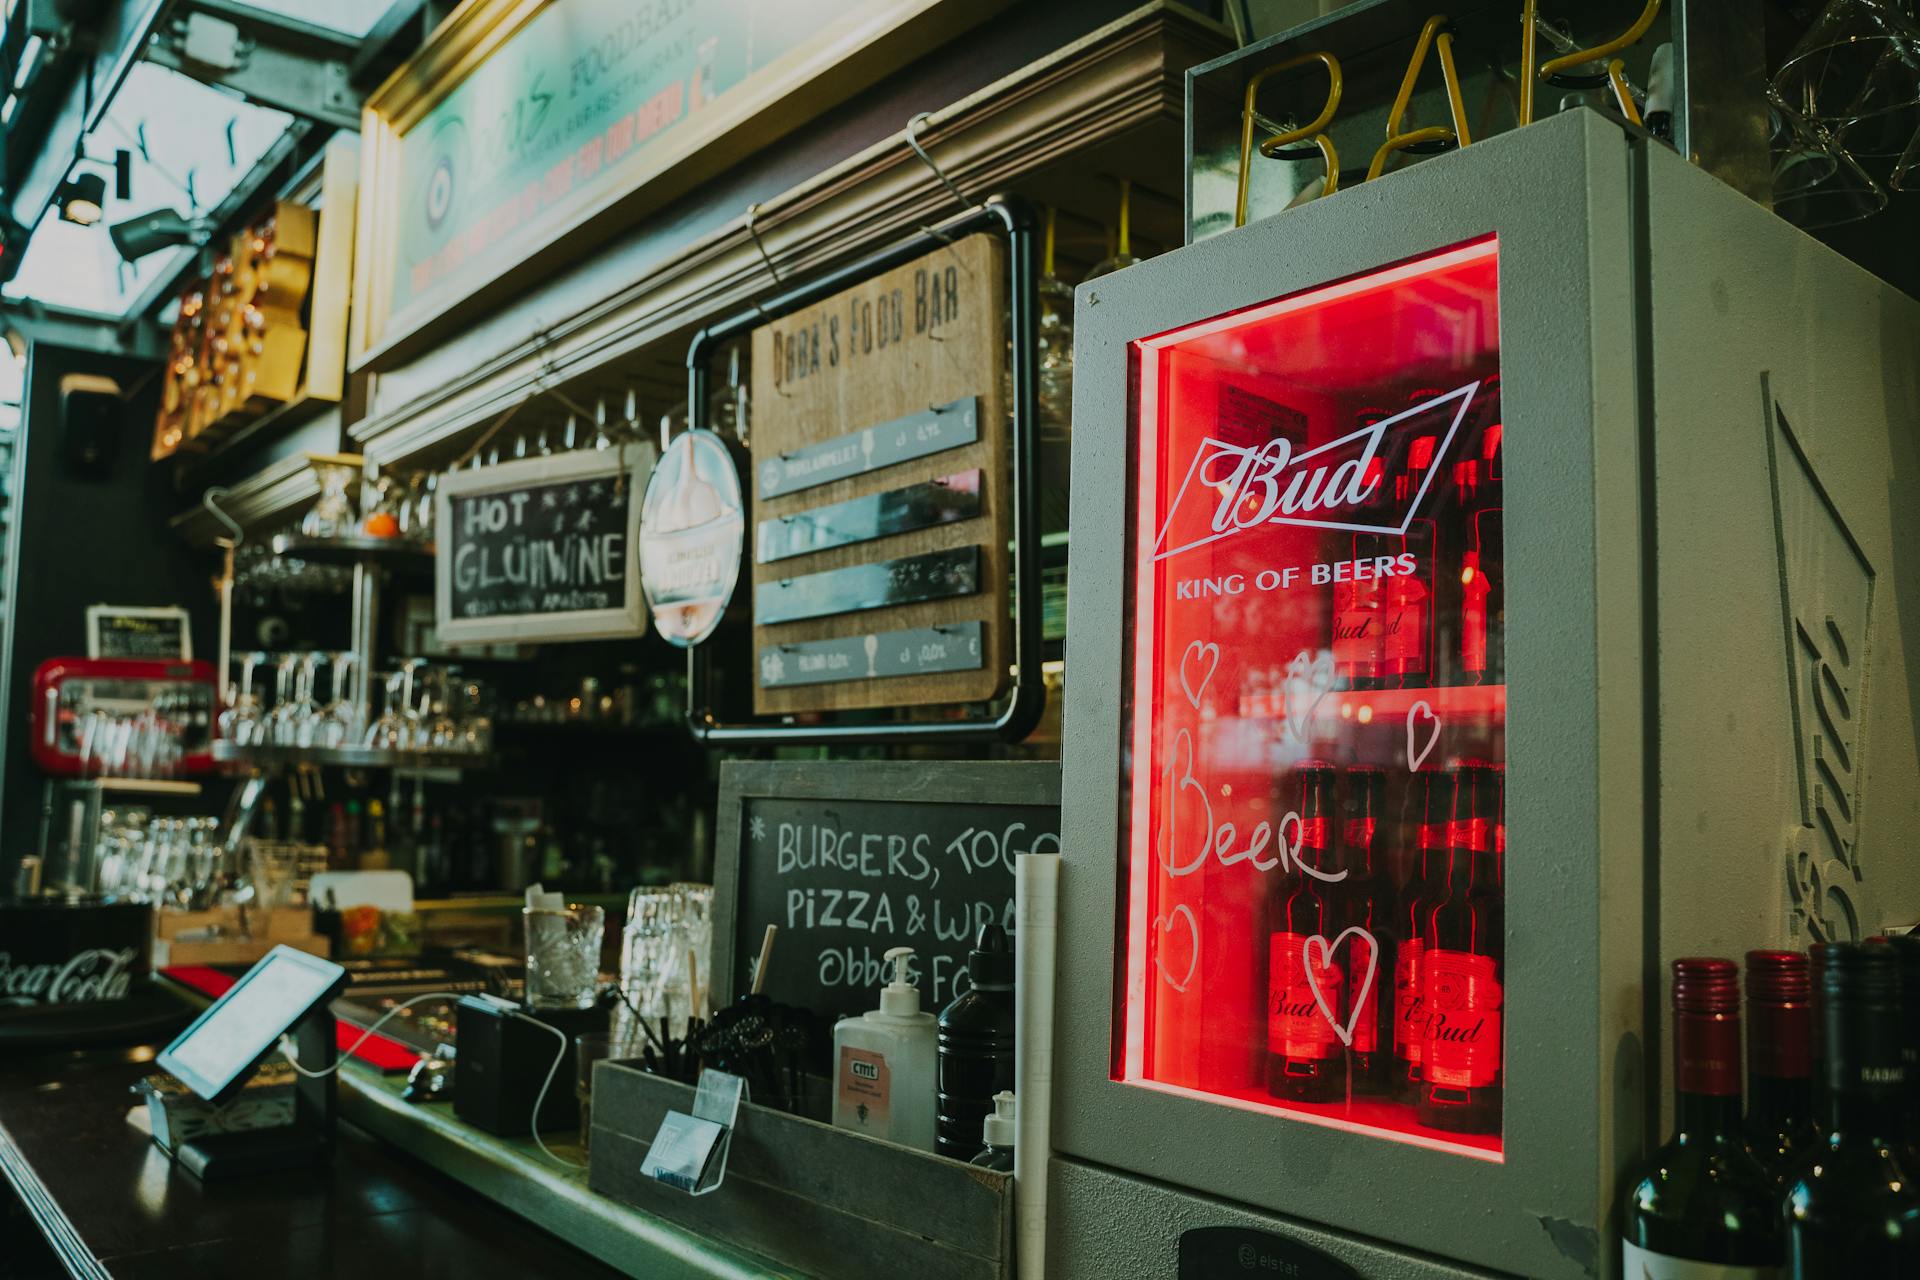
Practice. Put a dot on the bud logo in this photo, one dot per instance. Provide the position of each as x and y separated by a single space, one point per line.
1271 484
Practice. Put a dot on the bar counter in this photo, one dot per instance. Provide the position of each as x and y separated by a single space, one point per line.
411 1191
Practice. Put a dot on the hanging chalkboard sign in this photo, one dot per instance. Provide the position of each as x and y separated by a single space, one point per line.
138 631
851 858
542 550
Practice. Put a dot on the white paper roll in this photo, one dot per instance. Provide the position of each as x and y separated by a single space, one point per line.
1036 881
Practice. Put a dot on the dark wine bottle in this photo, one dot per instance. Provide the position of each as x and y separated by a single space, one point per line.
1779 1124
1462 972
1365 903
1853 1210
1907 947
1304 1058
1432 807
1702 1205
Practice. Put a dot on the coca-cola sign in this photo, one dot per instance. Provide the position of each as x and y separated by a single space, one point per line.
1229 488
71 952
97 973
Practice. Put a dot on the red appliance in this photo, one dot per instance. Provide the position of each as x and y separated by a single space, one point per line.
135 717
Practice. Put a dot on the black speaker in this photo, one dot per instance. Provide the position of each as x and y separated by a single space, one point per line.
91 413
503 1059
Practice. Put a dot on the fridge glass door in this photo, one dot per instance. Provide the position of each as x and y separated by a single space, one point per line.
1315 843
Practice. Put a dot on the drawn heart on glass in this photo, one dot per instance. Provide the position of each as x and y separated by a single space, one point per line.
1209 657
1326 959
1417 758
1308 680
1163 928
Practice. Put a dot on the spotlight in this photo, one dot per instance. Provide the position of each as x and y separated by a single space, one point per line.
161 229
81 197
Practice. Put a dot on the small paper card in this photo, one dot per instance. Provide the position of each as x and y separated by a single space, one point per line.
682 1151
690 1151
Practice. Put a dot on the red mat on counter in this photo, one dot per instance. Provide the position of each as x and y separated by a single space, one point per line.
378 1050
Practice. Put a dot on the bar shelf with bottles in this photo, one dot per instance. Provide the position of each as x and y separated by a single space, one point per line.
1322 595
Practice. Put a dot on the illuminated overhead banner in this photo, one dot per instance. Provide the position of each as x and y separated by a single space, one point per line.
520 120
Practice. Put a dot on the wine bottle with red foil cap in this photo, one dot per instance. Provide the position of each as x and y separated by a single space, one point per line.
1702 1207
1306 989
1853 1210
1462 973
1359 645
1365 902
1431 805
1779 1124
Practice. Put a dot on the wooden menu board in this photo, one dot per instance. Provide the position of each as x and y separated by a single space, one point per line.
896 383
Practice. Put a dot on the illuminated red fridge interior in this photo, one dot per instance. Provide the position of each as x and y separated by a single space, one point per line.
1315 794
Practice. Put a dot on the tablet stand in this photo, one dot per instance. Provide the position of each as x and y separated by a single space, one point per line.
308 1140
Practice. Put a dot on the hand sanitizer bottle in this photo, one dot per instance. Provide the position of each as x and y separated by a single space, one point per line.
884 1061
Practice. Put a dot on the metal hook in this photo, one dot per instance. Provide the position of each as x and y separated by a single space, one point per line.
207 501
913 140
753 215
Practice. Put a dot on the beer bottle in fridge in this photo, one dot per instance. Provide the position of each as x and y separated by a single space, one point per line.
1365 903
1306 990
1359 648
1432 809
1407 598
1463 978
1482 562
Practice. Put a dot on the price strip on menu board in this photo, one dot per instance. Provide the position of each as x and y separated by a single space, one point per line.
850 859
880 447
542 550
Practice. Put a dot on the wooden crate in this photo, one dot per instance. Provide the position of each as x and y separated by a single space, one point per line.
806 1195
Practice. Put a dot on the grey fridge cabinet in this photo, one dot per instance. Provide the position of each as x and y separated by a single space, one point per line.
1711 734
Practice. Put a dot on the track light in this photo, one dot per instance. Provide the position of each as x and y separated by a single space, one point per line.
82 197
161 229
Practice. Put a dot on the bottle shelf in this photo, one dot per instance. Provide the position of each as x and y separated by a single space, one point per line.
1376 706
392 553
348 757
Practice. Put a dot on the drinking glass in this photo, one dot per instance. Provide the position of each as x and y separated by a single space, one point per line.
332 514
1122 256
563 956
339 723
1858 61
389 731
1816 183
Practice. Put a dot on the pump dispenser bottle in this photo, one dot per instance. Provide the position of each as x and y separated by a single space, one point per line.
997 1132
884 1065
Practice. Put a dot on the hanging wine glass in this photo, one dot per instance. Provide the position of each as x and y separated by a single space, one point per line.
1056 342
1860 59
1816 183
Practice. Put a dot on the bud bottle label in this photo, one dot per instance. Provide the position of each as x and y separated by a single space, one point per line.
1463 1020
1296 1026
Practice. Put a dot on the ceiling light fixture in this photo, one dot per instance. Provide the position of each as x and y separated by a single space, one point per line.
81 198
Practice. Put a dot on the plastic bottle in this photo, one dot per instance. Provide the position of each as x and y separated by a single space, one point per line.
997 1131
976 1046
884 1065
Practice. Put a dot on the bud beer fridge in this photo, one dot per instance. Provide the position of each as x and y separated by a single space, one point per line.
1489 583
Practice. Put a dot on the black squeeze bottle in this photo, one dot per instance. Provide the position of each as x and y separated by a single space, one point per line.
975 1047
1854 1211
1701 1205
